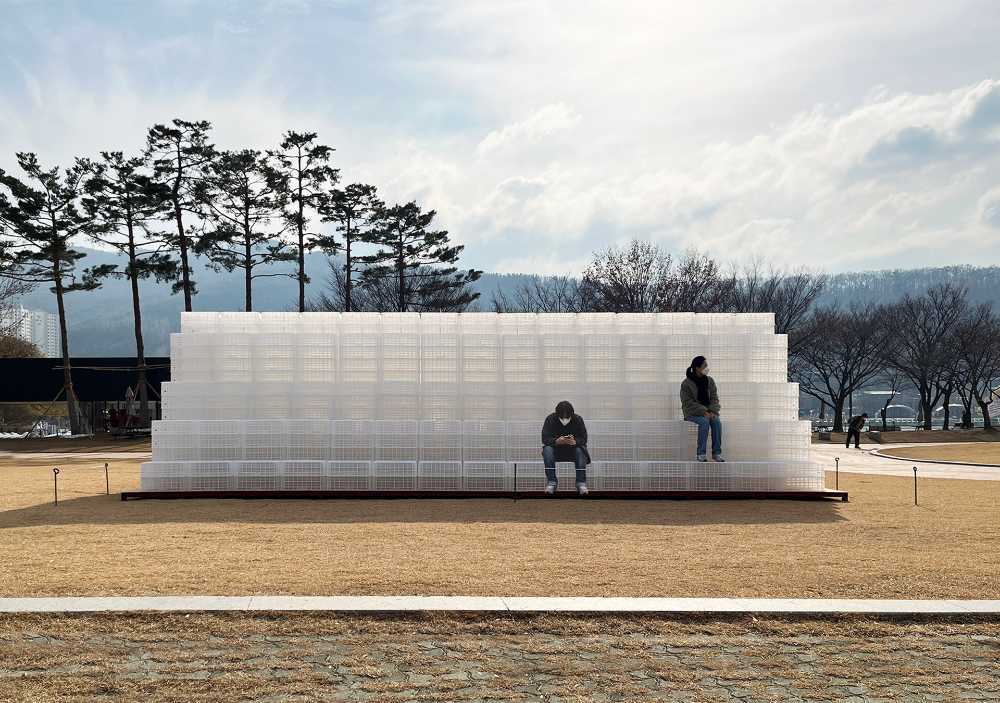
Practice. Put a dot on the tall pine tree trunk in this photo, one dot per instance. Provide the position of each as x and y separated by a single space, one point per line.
248 270
185 271
140 351
72 405
350 275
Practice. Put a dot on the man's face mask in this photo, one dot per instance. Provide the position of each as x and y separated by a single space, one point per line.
565 420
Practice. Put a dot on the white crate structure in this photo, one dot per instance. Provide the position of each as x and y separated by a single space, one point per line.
398 402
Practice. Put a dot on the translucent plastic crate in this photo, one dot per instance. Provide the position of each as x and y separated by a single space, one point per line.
394 476
483 402
530 405
618 475
316 359
259 475
352 440
311 403
484 441
401 358
604 404
753 476
561 358
602 358
359 357
348 475
522 359
309 439
273 358
439 475
528 476
165 476
175 440
480 358
612 441
487 476
440 402
266 440
304 476
211 476
396 441
663 441
668 475
220 439
399 401
440 441
710 476
356 402
440 358
524 441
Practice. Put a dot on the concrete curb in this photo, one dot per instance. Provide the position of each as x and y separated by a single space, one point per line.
496 604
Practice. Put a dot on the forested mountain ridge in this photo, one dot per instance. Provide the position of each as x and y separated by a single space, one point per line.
100 321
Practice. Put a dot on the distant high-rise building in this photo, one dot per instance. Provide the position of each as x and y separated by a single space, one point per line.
39 328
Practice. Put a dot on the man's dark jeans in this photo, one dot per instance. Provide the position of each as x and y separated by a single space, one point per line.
856 434
579 458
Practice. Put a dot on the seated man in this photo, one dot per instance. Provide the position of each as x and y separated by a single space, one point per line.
564 438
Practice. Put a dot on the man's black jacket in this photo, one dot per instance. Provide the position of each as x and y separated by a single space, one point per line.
552 429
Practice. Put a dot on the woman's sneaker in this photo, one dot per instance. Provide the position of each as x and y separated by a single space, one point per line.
718 458
702 458
550 489
581 488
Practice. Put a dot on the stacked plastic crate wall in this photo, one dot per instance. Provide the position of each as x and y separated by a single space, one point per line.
328 401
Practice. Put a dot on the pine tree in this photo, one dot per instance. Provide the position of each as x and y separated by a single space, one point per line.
242 202
420 259
354 209
40 217
179 155
124 204
302 168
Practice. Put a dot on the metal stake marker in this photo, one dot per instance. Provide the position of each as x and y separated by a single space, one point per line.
914 485
55 485
107 481
838 473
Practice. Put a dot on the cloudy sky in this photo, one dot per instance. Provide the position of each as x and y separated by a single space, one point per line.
840 135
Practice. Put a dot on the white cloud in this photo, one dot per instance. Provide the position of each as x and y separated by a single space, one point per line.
528 132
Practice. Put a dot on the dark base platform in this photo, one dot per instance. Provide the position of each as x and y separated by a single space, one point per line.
402 495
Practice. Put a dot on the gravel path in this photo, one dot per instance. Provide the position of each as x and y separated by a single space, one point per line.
309 658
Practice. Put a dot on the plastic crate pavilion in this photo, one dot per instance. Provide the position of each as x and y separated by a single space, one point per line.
455 402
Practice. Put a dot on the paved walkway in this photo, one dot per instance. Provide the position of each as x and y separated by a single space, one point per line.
864 462
100 456
496 604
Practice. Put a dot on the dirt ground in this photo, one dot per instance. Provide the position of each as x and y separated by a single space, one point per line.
305 657
877 546
975 453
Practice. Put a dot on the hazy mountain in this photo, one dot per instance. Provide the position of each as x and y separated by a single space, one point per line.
101 321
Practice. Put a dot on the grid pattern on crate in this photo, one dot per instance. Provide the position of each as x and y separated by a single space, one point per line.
394 401
527 476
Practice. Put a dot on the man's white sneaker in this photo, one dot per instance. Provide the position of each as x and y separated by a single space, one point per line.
718 458
581 488
550 489
702 458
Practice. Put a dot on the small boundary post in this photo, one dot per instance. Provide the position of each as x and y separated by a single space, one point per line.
836 485
55 485
915 485
107 481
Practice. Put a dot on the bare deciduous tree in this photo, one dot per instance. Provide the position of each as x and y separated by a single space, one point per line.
541 294
923 329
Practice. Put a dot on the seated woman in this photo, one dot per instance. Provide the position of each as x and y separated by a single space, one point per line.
564 438
700 405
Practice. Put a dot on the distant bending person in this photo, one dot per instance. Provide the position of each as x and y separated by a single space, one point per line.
564 438
700 405
854 430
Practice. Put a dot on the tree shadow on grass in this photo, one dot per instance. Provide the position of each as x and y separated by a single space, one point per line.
111 510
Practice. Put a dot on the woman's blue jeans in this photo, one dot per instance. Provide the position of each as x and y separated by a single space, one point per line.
704 424
579 458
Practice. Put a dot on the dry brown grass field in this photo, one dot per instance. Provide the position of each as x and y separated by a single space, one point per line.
973 453
877 546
